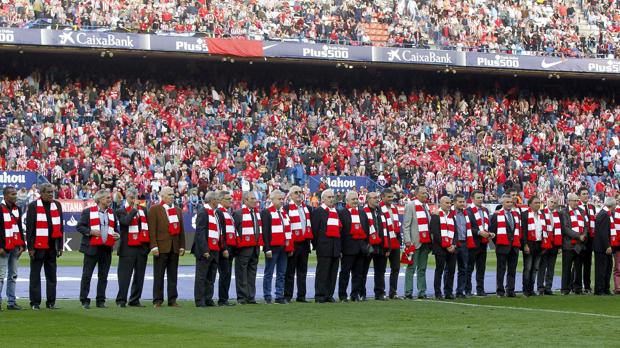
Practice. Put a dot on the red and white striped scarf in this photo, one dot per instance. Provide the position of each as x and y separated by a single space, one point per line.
174 228
95 225
531 225
41 240
247 238
391 216
614 224
554 227
590 216
357 232
213 229
12 237
482 220
288 234
422 219
277 227
333 222
547 241
502 229
577 223
447 228
138 231
296 227
231 236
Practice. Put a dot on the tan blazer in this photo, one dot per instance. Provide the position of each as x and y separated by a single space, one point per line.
158 231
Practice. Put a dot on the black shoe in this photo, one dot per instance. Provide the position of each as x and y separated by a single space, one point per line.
252 302
395 297
422 297
268 301
344 300
199 305
460 296
225 304
14 307
241 302
138 305
548 293
331 300
280 301
210 303
301 300
380 298
121 305
578 292
450 297
468 294
35 307
363 298
101 305
565 293
481 294
86 305
439 297
408 297
501 294
587 291
511 294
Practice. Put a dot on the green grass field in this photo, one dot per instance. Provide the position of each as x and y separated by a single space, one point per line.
521 322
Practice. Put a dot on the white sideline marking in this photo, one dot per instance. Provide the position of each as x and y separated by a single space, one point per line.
525 309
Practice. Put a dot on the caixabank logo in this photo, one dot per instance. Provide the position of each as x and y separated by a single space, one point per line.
95 39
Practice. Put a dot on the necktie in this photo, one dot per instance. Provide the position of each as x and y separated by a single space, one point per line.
254 223
510 220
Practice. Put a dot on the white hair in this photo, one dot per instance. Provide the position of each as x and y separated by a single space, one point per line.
324 193
100 194
276 193
610 202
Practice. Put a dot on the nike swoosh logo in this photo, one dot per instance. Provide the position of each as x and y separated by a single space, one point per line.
269 46
546 65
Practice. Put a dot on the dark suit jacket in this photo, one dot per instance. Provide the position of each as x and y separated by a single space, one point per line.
350 246
324 246
124 219
244 251
265 217
501 249
19 226
31 220
201 239
376 215
435 229
158 231
602 231
304 246
567 232
83 227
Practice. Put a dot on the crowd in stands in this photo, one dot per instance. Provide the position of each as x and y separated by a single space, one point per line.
514 26
111 129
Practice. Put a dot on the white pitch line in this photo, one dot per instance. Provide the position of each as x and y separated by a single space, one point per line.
525 309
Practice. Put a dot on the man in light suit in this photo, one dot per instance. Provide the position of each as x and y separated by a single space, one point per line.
411 236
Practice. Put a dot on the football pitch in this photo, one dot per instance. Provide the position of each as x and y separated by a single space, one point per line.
491 321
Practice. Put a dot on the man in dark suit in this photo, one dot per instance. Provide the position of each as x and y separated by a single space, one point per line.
98 231
44 245
328 248
354 249
379 253
505 250
206 255
225 261
602 248
12 244
302 235
531 242
586 255
167 243
131 258
247 249
387 198
445 257
572 245
479 218
549 255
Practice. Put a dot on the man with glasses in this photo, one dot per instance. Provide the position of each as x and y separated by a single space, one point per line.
574 232
44 231
301 229
326 228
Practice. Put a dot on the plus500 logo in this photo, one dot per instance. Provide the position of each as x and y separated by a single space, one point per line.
498 62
